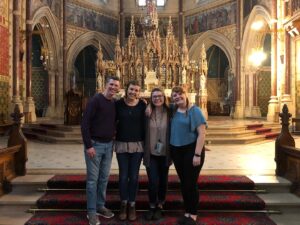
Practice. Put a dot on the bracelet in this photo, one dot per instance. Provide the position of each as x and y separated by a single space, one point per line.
197 155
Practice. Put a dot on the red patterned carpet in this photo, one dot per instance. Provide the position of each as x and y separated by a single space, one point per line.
216 193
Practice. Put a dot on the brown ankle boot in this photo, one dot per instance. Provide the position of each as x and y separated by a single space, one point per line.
131 213
123 211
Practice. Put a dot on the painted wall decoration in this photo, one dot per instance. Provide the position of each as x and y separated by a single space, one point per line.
54 5
4 57
91 20
162 26
211 19
248 6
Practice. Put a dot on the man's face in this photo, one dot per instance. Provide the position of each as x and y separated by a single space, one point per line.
112 87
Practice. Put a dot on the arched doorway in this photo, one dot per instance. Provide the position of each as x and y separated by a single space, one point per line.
40 87
85 71
217 82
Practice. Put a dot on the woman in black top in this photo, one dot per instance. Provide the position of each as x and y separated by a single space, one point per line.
130 113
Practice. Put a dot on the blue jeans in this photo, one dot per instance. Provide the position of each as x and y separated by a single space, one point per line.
97 175
158 180
129 166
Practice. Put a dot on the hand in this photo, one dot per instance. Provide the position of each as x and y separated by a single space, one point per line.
91 152
148 110
196 161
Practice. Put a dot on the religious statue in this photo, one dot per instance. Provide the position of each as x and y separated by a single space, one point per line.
99 81
230 80
118 73
183 75
202 81
74 81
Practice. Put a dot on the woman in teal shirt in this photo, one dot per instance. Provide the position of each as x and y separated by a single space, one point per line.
187 150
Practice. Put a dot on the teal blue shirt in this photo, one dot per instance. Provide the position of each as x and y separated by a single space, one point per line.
184 126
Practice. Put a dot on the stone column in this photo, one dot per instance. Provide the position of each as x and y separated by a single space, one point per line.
29 108
255 110
65 48
273 110
286 92
122 24
16 57
180 23
238 113
51 107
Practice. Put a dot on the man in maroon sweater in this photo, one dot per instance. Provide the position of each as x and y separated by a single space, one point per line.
98 130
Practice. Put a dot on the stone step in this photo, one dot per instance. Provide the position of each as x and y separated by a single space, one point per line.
52 139
51 132
235 140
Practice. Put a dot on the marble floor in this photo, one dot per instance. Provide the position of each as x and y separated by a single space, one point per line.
248 159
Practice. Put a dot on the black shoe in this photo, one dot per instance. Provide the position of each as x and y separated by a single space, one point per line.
157 214
182 220
149 214
190 221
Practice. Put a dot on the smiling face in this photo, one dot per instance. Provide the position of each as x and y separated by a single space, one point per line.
133 92
111 88
179 97
157 98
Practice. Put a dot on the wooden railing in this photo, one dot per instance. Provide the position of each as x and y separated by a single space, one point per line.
287 156
13 158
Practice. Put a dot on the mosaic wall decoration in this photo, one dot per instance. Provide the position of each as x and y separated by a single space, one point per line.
40 90
91 20
264 91
211 19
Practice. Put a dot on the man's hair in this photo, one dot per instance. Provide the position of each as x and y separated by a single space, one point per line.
108 78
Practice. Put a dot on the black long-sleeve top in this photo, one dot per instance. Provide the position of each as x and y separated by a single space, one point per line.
98 121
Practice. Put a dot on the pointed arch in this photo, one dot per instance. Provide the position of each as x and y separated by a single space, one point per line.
258 13
89 38
210 38
50 35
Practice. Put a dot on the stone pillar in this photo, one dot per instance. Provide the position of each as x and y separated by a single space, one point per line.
16 57
51 107
238 113
255 110
180 23
29 107
273 110
286 97
65 48
122 24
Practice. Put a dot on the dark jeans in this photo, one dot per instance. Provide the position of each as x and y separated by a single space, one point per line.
158 179
129 166
188 175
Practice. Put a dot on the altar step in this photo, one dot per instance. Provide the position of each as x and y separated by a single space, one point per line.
216 134
241 134
24 196
53 133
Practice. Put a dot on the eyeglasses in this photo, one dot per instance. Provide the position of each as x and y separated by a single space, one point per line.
157 96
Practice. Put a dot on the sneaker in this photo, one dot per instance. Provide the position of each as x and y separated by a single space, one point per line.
157 214
93 219
190 221
131 213
123 211
105 212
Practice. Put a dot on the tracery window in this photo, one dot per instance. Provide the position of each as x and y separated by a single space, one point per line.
158 2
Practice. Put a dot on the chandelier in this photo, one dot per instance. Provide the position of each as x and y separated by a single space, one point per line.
150 21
